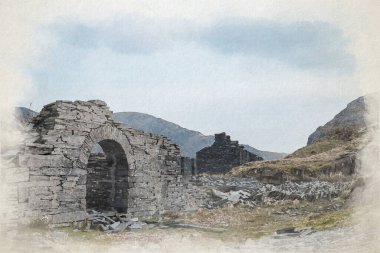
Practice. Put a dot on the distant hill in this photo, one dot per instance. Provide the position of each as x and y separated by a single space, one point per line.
266 155
189 140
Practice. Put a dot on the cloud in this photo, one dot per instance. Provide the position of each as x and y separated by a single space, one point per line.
305 45
77 35
136 63
126 35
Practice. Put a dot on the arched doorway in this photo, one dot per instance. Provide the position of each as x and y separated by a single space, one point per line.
107 178
139 171
107 169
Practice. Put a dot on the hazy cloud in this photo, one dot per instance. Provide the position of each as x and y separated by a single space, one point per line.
240 70
127 35
306 45
77 35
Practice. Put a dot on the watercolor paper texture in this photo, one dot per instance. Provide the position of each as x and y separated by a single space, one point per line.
266 72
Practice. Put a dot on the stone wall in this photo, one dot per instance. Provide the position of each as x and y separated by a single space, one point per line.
139 173
223 155
102 184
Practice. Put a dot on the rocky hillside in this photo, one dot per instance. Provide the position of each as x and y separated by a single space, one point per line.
329 155
344 126
189 140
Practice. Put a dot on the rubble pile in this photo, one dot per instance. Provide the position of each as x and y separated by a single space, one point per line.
252 193
113 222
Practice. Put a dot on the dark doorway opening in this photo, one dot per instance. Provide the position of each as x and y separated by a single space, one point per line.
107 178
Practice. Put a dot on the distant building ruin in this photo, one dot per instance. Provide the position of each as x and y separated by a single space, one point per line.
140 174
223 155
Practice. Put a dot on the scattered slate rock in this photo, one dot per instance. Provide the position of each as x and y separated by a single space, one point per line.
104 227
112 222
114 225
135 225
121 227
293 232
249 192
286 230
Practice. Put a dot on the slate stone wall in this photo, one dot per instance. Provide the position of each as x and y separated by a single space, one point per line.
102 183
139 174
223 155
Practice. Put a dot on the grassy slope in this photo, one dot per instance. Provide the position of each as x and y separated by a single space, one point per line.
313 157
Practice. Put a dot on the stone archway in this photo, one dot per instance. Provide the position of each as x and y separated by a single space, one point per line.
146 179
108 135
107 174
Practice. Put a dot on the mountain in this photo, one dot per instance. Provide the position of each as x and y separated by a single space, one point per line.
330 153
344 125
189 140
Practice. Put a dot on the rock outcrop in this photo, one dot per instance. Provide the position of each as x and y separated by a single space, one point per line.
345 125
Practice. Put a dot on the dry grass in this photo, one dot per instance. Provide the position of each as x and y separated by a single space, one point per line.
311 158
247 169
317 148
328 148
242 222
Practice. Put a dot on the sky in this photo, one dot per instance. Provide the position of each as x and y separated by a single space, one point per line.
265 72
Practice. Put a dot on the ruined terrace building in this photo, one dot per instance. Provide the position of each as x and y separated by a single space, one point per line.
223 155
60 178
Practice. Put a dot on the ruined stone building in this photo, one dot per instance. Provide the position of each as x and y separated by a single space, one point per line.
140 174
223 155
